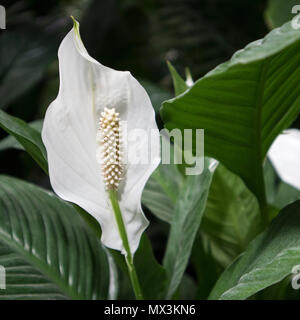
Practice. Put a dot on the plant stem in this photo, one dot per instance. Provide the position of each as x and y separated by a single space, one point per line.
123 234
264 215
262 198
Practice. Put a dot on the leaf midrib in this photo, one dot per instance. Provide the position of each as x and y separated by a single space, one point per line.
41 266
258 105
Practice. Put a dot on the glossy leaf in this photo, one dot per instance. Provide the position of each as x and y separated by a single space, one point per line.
231 218
28 137
47 250
206 267
151 274
187 217
244 104
268 259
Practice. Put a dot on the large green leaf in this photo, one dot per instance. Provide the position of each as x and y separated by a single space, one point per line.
205 265
46 248
244 104
186 220
27 136
151 274
268 259
231 218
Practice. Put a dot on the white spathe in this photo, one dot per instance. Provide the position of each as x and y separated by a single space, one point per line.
70 133
285 156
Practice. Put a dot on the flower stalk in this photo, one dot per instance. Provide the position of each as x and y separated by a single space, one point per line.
112 171
113 197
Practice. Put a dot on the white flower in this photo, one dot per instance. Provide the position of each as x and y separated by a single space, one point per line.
285 156
73 136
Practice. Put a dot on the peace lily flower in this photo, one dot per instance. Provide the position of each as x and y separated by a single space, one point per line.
285 156
82 133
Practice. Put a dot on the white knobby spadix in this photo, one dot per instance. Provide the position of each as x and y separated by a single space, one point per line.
111 144
83 135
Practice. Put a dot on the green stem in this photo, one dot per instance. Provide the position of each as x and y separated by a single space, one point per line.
123 234
263 200
264 215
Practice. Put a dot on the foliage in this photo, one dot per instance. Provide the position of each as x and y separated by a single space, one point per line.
231 232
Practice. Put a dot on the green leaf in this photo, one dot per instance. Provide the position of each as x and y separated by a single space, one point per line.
161 191
278 12
185 224
244 104
27 136
151 274
231 218
187 289
10 142
206 267
268 259
46 248
24 58
179 84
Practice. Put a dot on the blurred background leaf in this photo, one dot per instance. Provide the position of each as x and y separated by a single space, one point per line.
24 58
279 11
